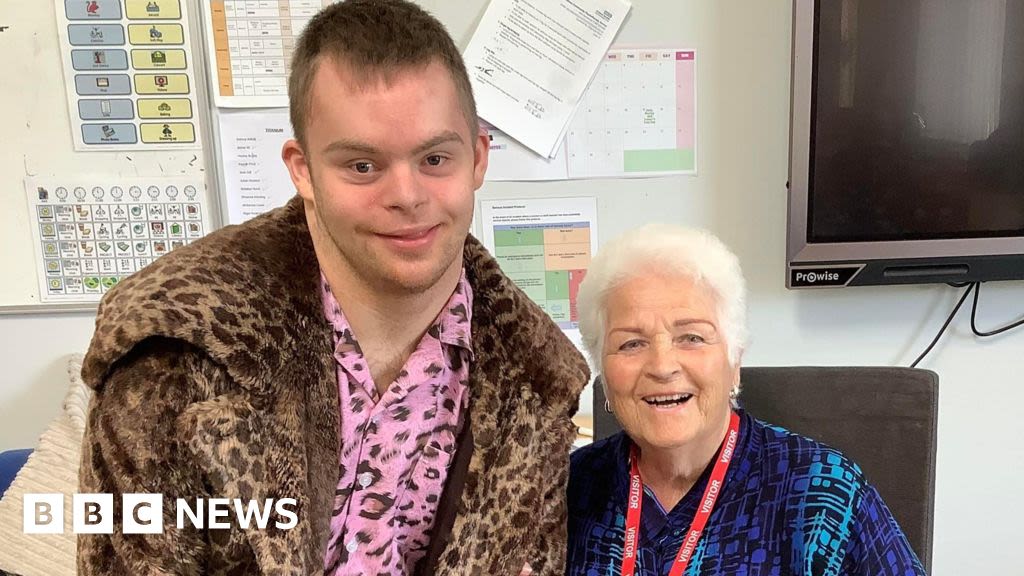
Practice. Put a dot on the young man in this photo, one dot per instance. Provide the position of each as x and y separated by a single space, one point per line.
354 350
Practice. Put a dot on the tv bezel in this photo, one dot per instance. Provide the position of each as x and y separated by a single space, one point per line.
989 258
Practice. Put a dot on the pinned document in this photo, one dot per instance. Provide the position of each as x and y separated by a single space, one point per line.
530 61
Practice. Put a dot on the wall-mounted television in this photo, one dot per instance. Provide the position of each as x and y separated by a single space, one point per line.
906 142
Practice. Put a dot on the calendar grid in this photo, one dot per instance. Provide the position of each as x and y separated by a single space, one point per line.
638 116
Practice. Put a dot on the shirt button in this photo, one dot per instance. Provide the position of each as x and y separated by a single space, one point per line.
375 418
365 479
352 545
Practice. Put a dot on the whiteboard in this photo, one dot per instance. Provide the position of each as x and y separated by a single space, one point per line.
37 142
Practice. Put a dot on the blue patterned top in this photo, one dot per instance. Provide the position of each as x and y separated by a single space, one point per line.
789 506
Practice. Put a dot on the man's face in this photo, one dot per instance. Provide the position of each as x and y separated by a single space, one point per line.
388 174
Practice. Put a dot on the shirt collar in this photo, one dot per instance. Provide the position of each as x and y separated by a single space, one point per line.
456 316
452 324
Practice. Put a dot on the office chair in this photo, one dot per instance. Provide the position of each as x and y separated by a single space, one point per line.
884 419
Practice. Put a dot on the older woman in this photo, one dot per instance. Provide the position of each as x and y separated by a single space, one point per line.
695 485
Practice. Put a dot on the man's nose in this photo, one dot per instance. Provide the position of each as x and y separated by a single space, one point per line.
405 190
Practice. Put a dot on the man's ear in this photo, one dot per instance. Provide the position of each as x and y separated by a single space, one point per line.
481 154
297 162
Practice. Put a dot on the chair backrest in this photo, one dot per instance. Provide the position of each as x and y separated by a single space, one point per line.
884 419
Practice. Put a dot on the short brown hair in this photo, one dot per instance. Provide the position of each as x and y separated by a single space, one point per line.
375 38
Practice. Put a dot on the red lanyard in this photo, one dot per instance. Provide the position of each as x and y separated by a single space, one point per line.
700 520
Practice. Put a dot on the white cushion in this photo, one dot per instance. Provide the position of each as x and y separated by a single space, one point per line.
52 468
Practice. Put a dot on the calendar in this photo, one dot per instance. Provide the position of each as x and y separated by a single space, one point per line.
88 236
637 118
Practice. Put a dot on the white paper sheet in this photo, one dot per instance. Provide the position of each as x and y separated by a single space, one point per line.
255 177
544 246
509 160
530 61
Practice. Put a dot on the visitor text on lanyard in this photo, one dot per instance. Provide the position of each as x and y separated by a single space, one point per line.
700 519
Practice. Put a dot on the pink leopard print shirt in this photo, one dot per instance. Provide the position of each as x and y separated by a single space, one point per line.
396 449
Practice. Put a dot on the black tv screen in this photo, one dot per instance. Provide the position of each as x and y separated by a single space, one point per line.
908 128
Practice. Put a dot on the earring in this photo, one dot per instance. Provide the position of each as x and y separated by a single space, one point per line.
607 406
734 392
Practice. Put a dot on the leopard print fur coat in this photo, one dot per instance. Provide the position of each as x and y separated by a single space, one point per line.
214 377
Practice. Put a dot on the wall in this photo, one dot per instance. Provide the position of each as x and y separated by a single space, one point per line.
35 139
743 133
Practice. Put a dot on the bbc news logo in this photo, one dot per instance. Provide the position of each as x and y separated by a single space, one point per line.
144 513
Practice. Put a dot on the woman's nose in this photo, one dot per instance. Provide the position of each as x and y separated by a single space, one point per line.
662 364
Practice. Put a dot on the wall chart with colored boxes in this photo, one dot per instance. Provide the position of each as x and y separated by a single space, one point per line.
249 45
128 68
91 234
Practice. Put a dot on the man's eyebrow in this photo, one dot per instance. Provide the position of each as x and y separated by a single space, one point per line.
442 138
345 145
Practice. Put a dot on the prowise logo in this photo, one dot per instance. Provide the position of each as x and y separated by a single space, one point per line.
814 277
821 276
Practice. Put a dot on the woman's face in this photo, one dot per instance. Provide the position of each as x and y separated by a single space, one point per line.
666 364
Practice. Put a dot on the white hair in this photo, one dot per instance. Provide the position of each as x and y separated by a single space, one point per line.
665 249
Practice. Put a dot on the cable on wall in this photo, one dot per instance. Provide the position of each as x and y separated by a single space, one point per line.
945 325
974 313
970 287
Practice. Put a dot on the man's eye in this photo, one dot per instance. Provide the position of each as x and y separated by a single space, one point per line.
363 167
435 160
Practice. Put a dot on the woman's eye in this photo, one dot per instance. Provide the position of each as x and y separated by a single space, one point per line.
631 345
693 339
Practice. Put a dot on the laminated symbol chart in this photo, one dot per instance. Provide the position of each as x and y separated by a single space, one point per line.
128 74
88 236
250 43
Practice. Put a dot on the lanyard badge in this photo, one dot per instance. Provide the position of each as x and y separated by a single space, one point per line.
700 519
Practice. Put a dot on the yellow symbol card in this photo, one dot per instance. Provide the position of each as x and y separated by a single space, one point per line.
168 132
158 59
146 9
161 83
165 108
156 34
